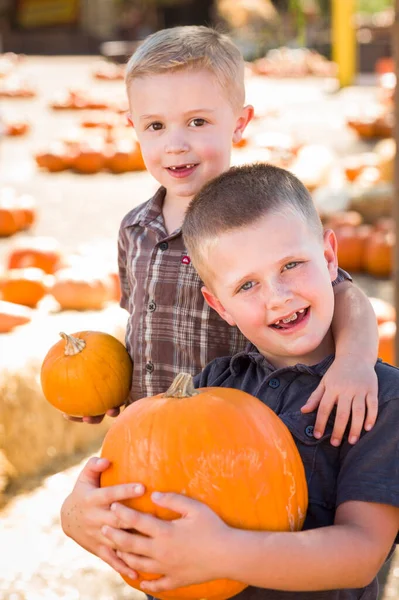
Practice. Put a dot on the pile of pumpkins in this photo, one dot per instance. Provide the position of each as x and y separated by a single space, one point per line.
17 211
363 248
36 267
79 99
98 146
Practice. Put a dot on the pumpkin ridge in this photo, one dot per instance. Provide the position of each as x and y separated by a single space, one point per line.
116 373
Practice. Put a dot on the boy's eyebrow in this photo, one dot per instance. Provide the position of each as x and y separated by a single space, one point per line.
189 112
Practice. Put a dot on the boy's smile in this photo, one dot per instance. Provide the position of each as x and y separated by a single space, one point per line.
185 124
273 280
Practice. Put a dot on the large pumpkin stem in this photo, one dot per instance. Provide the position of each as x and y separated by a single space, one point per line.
73 345
182 387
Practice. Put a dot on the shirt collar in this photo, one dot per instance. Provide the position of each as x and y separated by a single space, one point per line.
149 212
252 354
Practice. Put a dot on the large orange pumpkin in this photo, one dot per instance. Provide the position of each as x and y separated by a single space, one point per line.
86 373
221 446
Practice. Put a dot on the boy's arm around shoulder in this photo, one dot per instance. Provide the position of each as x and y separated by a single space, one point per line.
350 383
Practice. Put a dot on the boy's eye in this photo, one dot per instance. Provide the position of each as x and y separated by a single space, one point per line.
197 122
155 126
247 286
291 265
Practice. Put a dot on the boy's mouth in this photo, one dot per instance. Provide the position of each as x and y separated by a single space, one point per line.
291 320
182 170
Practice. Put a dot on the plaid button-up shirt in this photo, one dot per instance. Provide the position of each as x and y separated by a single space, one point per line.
170 329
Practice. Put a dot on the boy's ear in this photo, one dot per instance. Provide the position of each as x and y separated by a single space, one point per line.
330 253
246 115
130 120
216 305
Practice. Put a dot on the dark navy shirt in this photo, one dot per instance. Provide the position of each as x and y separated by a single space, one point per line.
367 471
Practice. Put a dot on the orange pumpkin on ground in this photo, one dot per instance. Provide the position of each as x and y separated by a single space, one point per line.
10 222
79 289
12 315
351 246
41 252
24 286
378 259
248 470
386 345
86 373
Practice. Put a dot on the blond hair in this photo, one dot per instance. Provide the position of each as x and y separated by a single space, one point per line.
238 198
191 47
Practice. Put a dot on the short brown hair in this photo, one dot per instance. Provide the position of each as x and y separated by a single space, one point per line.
191 47
240 197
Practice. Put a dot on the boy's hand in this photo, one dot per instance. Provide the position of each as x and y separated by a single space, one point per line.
112 412
184 551
87 509
351 385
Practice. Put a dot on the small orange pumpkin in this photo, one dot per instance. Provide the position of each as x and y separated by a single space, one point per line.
251 458
79 289
351 246
9 222
86 373
379 254
24 286
41 252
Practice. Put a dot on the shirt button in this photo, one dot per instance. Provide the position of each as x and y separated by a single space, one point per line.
163 246
309 430
274 383
149 367
152 306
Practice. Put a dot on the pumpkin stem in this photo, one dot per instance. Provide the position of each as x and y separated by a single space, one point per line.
73 345
182 387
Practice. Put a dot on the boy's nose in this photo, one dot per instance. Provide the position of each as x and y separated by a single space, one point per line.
176 145
276 297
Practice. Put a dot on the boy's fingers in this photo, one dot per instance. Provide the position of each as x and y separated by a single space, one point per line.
158 585
323 412
92 470
176 502
372 411
124 541
358 414
109 556
93 420
314 399
116 493
113 412
73 419
341 421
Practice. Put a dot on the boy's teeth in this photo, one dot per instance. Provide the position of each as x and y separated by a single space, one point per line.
181 167
291 318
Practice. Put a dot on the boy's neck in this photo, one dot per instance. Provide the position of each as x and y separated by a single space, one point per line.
173 211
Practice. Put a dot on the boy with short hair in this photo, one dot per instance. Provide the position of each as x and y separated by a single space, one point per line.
186 95
282 300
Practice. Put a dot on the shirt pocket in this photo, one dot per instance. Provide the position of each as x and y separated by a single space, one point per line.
319 457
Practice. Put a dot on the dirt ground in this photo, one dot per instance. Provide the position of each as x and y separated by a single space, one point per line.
37 561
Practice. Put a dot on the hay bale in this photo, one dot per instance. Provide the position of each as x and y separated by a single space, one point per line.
32 432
